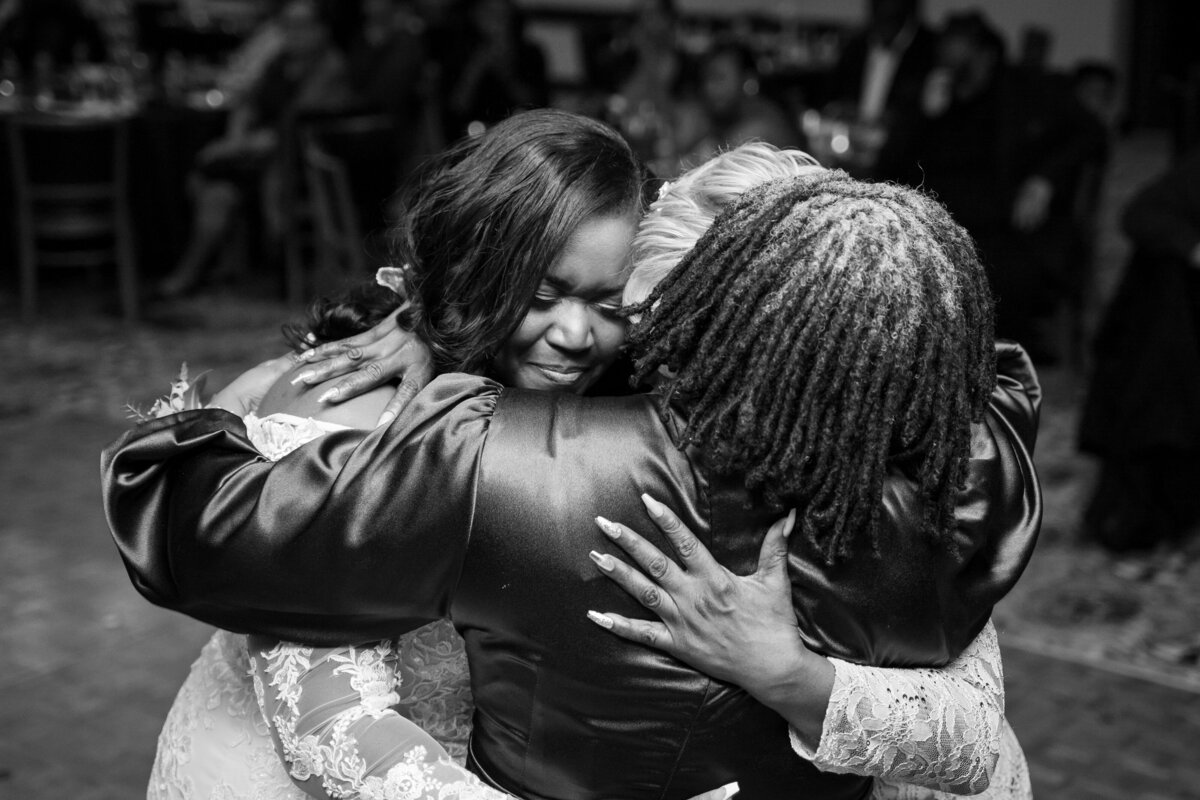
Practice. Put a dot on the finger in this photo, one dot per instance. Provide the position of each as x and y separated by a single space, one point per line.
637 585
694 556
334 349
348 363
414 382
643 631
652 560
772 556
365 379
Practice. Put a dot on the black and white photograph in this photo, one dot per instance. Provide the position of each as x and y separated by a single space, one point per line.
600 399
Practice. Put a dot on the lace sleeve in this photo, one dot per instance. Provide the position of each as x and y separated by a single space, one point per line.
331 714
935 728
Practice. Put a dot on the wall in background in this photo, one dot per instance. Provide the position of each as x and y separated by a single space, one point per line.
1090 29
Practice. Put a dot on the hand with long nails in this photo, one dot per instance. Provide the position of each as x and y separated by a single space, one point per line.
739 629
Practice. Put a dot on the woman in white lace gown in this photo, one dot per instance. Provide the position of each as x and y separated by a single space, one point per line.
342 714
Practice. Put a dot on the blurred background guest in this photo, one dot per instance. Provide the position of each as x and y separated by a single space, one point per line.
308 74
643 72
1140 416
729 109
386 56
1005 153
247 62
496 70
880 77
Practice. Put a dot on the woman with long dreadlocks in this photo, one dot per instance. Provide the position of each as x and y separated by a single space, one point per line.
545 691
865 262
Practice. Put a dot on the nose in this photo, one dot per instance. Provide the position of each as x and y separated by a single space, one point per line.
571 329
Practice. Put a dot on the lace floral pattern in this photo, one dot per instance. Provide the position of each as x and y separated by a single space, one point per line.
1010 780
925 731
277 435
334 712
215 744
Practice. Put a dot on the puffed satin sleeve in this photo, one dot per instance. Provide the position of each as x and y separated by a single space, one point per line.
258 536
916 604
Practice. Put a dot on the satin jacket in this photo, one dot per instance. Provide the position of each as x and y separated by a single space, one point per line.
478 503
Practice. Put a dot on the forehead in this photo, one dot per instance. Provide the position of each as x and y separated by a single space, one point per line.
596 256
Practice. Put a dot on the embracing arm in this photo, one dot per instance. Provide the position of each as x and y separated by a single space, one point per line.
197 513
335 715
937 728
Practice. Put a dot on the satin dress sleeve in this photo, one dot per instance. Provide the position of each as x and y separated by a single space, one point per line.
198 515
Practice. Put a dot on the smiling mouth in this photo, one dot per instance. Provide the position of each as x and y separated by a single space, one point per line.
560 374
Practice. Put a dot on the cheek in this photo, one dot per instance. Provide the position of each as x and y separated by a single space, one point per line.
527 334
610 336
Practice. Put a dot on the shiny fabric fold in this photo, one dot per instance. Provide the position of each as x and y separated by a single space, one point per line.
479 502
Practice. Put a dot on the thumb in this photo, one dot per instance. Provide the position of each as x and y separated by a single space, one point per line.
772 556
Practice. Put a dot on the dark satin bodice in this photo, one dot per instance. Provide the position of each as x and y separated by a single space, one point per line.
478 502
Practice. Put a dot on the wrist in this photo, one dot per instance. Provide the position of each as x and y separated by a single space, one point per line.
799 693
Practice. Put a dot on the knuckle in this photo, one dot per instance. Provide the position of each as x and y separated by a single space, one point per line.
658 565
647 635
650 597
686 547
374 370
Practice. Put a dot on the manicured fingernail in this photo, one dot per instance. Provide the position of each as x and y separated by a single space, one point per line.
603 561
331 394
310 337
730 790
610 529
653 506
385 419
303 377
790 524
307 354
600 619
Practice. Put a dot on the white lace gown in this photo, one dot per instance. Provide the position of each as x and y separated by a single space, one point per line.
389 720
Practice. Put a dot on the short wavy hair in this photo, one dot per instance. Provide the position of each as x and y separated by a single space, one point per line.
686 207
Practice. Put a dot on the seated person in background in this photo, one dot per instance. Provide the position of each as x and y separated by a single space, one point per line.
1005 153
1140 414
246 64
308 74
499 71
729 110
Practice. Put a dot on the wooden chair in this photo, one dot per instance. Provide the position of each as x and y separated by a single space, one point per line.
70 178
339 166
